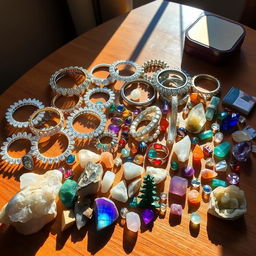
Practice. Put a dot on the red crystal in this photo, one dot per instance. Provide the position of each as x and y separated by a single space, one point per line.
163 125
156 162
134 149
122 143
125 128
235 166
158 146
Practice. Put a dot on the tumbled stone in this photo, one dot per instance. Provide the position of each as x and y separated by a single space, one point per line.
85 156
222 150
133 221
188 171
119 192
176 209
134 187
198 153
239 136
159 174
241 151
107 181
178 186
195 218
208 174
132 170
147 216
106 159
194 197
221 166
182 149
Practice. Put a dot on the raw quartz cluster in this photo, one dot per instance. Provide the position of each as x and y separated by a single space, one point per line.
34 206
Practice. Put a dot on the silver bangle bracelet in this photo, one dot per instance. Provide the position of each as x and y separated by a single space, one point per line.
49 131
25 102
86 135
115 73
45 159
101 81
166 75
102 105
204 93
67 110
106 146
80 89
135 103
18 136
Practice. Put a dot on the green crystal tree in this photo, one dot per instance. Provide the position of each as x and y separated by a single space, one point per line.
148 194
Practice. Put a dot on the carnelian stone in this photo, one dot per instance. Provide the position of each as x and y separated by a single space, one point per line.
198 153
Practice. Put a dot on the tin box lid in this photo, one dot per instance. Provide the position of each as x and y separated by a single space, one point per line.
214 32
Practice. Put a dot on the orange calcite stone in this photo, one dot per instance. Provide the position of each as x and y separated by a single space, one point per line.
198 153
194 197
208 174
106 159
134 149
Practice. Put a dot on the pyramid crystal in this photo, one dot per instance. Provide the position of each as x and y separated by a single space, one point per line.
196 119
119 192
182 149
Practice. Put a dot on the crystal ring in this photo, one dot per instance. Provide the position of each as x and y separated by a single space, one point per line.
49 131
166 82
67 110
101 81
45 159
132 102
18 136
205 77
113 70
157 154
25 102
106 146
144 115
89 111
74 72
99 104
152 66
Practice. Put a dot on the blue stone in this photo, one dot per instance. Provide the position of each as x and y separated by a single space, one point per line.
120 108
99 102
128 121
194 140
71 159
129 159
143 147
229 122
106 212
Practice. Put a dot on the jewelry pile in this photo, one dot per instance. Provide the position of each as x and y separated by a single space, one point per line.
140 135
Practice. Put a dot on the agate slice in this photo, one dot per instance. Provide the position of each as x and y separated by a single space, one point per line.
106 212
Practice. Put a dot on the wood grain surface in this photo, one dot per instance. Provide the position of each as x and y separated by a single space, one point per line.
154 31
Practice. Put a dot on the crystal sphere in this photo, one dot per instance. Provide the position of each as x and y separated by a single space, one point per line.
135 94
195 218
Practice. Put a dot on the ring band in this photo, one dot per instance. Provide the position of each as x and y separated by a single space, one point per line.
98 81
106 146
25 102
206 94
80 89
153 151
50 130
131 102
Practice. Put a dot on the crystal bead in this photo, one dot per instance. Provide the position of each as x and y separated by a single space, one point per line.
188 171
194 140
194 197
122 143
120 108
221 166
128 159
215 127
195 218
163 125
143 147
241 151
205 135
218 137
222 150
152 153
174 166
207 150
136 111
114 128
165 108
209 163
222 115
138 159
233 179
229 122
218 183
147 216
195 183
125 152
207 189
163 197
71 159
182 132
123 212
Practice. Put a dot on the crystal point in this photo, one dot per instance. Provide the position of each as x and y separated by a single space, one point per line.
182 149
196 119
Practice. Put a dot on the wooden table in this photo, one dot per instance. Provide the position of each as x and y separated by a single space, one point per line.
155 31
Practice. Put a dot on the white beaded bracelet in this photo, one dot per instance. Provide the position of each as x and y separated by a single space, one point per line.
80 89
24 102
86 135
46 159
18 136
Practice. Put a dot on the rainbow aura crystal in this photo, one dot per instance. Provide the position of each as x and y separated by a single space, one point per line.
106 212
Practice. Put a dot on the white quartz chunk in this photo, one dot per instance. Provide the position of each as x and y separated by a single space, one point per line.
132 170
182 149
85 156
119 192
159 174
107 181
134 187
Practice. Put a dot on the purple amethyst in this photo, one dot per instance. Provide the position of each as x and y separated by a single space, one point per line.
114 128
233 179
136 111
188 171
147 216
165 108
128 121
241 151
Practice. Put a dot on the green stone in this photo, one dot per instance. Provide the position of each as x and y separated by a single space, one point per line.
205 135
218 183
112 107
174 166
125 152
67 193
152 153
211 108
222 115
222 150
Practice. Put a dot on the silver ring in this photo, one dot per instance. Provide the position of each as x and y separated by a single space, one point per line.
102 105
49 131
106 146
163 75
207 94
115 74
18 136
25 102
45 159
104 81
67 110
86 135
80 89
131 102
152 66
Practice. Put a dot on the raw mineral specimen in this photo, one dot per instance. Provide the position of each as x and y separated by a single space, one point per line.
182 149
85 156
67 193
132 170
178 186
107 181
196 119
159 174
119 192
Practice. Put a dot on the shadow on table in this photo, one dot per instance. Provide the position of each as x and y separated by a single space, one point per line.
129 240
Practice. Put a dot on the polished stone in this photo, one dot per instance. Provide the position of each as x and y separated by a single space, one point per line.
178 186
148 216
195 218
196 119
176 209
241 151
222 150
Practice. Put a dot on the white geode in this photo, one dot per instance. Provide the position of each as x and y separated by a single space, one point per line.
227 203
85 156
159 174
107 181
134 187
119 192
34 206
182 149
132 170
